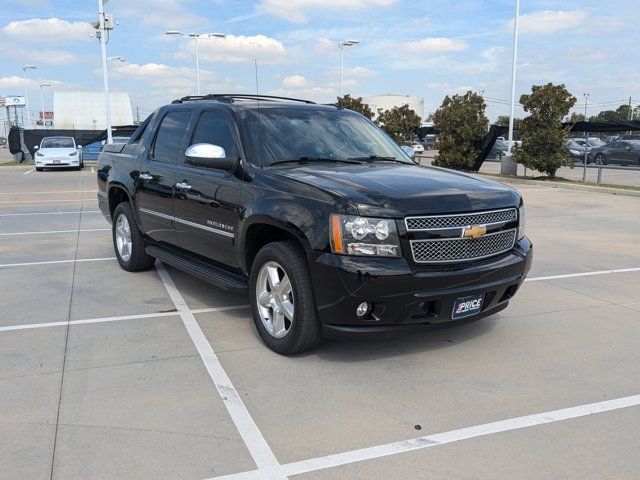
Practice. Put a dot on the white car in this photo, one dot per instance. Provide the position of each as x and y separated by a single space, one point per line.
417 147
58 152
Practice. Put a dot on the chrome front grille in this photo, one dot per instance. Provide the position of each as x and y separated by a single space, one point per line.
448 250
435 222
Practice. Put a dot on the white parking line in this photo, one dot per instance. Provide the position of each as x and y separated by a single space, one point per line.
427 441
256 444
53 262
29 171
46 213
53 192
30 326
583 274
55 231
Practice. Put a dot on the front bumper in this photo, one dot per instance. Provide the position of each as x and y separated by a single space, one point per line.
403 297
61 162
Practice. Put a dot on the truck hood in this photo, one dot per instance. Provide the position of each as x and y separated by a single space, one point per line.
394 190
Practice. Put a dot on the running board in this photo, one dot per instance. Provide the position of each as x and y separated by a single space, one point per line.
203 270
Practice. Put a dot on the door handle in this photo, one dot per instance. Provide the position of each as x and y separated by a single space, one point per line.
145 176
183 186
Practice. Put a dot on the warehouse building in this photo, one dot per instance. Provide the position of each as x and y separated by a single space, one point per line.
84 109
388 101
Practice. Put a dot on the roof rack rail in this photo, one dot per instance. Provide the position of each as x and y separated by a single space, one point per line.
229 97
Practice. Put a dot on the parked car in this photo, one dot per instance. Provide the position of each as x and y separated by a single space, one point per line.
418 148
576 148
498 151
611 138
626 152
429 141
58 152
321 218
3 142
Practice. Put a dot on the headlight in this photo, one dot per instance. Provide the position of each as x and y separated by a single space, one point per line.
575 152
521 222
38 154
364 236
73 153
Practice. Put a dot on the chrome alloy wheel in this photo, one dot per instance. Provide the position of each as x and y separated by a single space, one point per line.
123 237
274 297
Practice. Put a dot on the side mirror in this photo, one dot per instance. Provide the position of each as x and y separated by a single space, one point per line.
206 155
409 151
80 147
35 147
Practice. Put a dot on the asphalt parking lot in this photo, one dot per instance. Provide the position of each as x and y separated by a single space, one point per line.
106 374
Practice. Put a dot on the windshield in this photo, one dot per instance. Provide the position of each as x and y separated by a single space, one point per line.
57 142
595 142
280 134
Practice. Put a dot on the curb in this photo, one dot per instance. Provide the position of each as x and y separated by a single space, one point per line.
566 186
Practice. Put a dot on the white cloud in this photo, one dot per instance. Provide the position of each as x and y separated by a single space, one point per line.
49 30
165 82
47 55
294 81
297 11
238 48
324 46
360 71
436 44
494 54
545 22
459 90
160 14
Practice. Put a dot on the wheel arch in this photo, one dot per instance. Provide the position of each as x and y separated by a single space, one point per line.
117 194
261 230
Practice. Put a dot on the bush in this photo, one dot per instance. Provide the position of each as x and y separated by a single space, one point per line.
400 123
542 133
461 122
356 104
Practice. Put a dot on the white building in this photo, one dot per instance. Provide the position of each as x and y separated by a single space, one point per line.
84 109
388 101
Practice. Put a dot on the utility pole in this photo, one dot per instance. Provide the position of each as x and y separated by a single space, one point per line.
513 77
586 140
105 76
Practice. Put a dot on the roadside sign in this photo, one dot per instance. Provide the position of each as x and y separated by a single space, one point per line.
15 101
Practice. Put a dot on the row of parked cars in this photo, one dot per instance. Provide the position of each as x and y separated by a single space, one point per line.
621 150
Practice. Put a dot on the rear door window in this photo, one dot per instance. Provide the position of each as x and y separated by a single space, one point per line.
169 143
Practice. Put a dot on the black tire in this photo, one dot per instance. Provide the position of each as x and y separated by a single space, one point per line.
600 159
139 259
39 169
305 332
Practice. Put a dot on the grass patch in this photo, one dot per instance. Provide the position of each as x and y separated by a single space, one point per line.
16 164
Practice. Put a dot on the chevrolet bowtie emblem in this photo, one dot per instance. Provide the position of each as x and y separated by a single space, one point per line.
474 231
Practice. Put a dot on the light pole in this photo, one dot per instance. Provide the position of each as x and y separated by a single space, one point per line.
341 45
196 37
42 85
26 92
586 142
119 58
513 76
102 26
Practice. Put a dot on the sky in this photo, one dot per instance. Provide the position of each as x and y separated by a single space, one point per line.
430 48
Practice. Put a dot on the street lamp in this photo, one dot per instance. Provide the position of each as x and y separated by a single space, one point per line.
196 37
42 85
513 76
341 45
586 143
26 91
119 58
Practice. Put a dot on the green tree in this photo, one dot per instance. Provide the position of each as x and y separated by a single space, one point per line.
542 132
400 123
462 123
576 117
356 104
620 113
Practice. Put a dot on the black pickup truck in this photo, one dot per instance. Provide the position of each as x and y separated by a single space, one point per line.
314 210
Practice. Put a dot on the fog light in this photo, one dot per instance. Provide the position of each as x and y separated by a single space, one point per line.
363 309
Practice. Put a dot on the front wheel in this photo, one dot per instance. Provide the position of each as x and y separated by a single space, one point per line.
600 160
284 310
128 242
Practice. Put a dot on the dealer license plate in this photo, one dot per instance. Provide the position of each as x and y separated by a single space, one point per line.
467 306
56 162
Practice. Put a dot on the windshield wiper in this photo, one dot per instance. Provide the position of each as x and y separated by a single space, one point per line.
371 158
315 159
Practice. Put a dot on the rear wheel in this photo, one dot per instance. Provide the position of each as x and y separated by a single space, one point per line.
128 242
284 310
39 169
600 159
